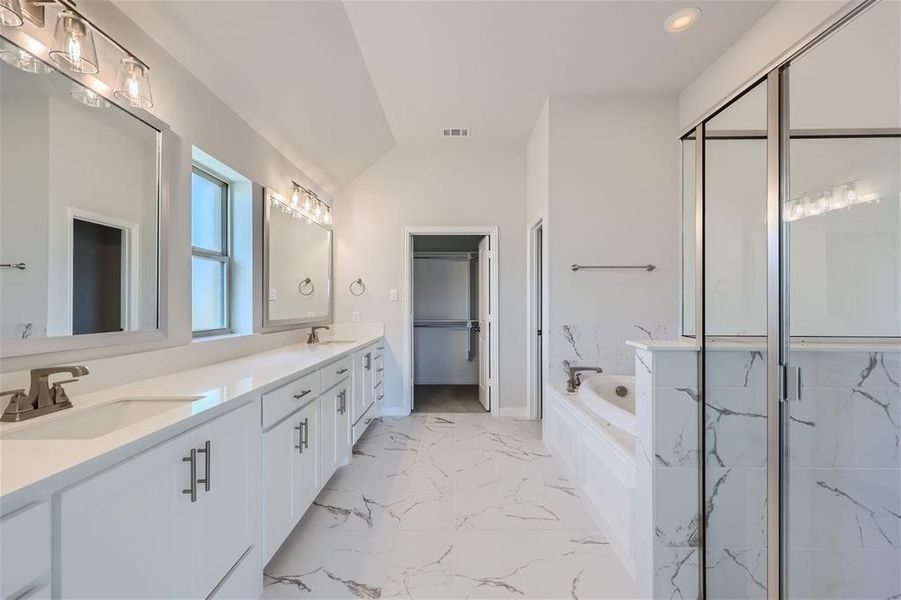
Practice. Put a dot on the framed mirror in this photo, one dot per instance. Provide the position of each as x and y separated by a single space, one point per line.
297 267
80 215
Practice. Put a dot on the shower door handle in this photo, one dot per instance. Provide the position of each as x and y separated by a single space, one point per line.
792 383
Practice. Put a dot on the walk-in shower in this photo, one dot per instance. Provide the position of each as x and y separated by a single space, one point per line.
792 282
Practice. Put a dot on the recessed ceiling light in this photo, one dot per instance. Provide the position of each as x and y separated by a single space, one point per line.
681 20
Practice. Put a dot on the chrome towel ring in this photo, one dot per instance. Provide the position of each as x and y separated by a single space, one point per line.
306 284
357 287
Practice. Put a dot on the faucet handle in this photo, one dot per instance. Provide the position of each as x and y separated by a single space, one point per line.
58 394
17 404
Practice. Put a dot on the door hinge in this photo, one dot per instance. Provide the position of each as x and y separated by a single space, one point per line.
539 332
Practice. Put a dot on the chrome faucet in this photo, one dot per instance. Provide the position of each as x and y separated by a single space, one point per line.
314 333
43 397
575 375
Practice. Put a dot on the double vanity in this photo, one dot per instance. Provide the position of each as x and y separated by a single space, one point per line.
183 485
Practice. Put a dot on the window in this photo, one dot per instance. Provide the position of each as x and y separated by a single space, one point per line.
210 260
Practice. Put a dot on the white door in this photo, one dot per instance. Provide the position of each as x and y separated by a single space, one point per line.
280 445
227 494
126 533
484 323
328 438
306 460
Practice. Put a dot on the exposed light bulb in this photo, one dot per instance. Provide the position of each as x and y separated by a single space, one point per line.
74 44
133 84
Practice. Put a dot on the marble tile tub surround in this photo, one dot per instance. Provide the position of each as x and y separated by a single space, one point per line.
31 469
844 479
448 506
602 344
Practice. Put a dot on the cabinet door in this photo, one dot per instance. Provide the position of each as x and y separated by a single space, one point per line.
227 510
343 430
279 506
127 532
358 404
307 479
328 441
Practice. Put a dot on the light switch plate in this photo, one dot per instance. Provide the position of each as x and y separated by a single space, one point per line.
272 295
355 317
393 296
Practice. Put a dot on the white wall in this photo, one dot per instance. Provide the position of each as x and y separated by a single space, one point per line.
197 117
455 184
614 199
775 33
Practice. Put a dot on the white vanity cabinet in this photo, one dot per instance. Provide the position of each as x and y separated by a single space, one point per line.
25 548
336 442
170 522
290 473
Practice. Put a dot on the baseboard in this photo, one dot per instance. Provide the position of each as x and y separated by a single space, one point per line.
394 411
519 412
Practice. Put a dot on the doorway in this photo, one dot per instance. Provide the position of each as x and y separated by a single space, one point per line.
451 299
536 319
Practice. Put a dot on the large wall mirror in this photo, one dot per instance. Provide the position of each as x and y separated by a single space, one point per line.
297 267
79 215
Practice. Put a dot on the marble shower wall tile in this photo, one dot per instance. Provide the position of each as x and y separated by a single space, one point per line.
599 344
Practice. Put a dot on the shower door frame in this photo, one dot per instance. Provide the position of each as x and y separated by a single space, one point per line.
779 372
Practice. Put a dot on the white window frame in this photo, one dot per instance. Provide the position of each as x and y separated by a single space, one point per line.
223 257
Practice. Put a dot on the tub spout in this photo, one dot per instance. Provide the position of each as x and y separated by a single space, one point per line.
575 375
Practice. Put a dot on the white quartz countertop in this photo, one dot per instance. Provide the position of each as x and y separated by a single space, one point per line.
31 469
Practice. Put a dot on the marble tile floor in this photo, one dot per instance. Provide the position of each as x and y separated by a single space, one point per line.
448 506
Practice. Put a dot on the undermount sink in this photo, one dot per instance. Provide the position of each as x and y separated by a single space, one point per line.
96 422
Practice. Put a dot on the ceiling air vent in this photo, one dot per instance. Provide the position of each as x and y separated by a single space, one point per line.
456 132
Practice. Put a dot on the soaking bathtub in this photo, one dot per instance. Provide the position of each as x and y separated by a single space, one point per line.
591 433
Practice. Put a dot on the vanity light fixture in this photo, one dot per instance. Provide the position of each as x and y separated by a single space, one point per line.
11 13
73 45
311 208
133 83
23 60
681 20
88 97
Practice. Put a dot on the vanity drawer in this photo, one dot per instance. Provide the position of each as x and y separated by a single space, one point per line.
337 371
282 401
25 551
361 425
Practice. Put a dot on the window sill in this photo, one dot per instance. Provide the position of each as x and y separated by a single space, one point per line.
222 336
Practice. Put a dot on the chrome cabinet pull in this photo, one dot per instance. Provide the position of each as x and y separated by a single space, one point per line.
306 432
192 458
341 371
206 466
299 429
302 394
368 358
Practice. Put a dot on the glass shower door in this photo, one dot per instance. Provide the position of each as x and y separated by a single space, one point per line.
734 349
842 220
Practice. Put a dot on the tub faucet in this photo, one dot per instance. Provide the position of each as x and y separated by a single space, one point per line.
575 375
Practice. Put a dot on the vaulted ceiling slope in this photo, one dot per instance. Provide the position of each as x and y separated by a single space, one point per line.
334 84
489 65
291 69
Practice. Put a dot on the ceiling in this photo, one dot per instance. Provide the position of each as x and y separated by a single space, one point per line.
342 81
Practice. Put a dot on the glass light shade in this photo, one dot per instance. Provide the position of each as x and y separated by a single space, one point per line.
10 13
295 197
327 215
307 203
88 97
73 45
133 83
317 212
23 60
